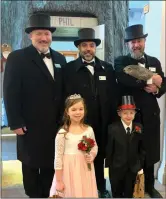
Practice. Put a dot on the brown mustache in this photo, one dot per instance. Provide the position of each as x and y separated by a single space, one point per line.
88 53
44 42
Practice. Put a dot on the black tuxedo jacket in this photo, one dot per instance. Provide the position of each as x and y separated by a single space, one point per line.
34 99
124 153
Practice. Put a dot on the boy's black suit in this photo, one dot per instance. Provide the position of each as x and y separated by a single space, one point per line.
124 157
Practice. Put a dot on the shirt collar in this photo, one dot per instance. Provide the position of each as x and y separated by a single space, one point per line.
48 51
83 60
125 126
79 62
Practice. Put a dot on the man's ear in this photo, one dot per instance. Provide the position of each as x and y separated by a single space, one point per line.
127 44
30 35
79 47
119 113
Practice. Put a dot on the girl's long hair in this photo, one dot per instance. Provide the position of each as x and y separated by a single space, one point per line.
66 119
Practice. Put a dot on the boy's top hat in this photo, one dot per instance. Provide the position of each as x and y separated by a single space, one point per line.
134 32
86 34
127 102
39 21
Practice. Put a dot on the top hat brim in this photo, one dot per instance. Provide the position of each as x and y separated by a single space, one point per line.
130 39
30 29
78 41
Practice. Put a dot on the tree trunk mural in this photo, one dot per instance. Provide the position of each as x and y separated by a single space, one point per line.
114 14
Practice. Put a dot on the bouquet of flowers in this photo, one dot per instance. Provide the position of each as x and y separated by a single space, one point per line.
85 145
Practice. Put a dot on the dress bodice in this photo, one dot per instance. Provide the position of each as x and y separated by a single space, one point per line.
67 143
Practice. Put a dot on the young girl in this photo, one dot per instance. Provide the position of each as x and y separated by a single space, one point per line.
72 176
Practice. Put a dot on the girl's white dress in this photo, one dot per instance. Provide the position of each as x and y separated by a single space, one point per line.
78 180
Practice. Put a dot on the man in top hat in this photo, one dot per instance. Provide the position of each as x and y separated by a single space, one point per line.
125 152
145 95
95 81
33 96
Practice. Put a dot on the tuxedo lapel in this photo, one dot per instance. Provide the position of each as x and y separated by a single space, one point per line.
56 63
147 64
122 131
35 57
132 132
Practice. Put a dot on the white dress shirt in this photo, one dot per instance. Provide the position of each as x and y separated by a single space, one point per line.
49 63
91 68
149 81
125 126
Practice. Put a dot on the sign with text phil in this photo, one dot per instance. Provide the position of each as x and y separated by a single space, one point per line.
63 21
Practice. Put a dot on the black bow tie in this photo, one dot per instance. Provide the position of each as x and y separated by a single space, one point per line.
45 55
89 63
142 60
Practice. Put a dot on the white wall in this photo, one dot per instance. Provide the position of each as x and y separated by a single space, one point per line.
155 46
136 15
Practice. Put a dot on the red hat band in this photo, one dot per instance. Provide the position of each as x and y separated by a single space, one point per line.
127 106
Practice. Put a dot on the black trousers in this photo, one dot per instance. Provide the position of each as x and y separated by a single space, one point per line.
149 178
122 183
37 181
99 171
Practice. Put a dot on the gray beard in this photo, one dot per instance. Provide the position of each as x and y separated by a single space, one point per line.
136 56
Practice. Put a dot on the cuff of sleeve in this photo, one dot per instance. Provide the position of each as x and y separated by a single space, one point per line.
14 127
140 172
156 92
149 81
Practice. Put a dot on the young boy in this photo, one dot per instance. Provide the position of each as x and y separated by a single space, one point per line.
124 154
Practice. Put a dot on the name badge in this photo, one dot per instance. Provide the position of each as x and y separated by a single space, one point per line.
57 65
153 69
102 77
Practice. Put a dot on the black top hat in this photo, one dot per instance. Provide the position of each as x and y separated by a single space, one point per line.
127 102
134 32
86 34
39 21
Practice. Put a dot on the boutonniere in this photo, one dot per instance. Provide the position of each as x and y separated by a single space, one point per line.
137 129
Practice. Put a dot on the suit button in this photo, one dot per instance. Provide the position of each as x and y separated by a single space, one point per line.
55 99
154 113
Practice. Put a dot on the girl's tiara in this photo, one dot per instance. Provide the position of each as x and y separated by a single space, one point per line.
75 96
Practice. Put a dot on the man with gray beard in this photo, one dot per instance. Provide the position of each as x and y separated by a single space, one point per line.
145 95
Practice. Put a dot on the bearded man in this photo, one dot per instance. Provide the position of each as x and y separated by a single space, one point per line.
145 95
95 81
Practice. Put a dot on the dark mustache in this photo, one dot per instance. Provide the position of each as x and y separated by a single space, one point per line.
88 52
137 48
